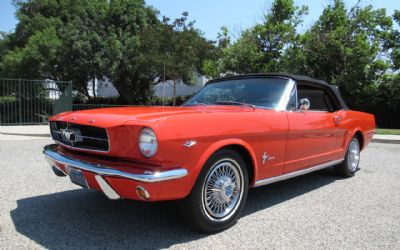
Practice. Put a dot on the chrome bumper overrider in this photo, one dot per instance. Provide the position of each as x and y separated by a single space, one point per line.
51 154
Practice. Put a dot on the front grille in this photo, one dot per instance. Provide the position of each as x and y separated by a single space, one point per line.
80 136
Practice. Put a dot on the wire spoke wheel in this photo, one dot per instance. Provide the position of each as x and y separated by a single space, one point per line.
219 193
353 157
222 190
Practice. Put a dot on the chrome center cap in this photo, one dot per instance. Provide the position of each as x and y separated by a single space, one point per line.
228 191
227 187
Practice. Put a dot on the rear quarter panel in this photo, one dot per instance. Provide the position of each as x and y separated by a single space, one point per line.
353 122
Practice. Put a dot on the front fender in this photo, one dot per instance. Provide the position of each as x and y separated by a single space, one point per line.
226 143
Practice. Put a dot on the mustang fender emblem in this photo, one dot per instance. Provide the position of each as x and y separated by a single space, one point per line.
266 157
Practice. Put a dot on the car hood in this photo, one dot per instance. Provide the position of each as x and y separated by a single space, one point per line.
109 117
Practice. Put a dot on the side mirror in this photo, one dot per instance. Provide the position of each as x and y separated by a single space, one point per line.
304 104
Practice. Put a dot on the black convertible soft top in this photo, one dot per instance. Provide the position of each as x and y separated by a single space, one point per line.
332 89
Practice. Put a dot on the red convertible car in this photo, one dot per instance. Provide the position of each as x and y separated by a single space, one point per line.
235 133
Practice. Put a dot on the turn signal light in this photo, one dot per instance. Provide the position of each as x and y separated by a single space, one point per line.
142 193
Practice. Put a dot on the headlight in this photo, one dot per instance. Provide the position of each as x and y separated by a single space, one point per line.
147 142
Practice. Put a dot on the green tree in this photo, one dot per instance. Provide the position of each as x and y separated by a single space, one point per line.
129 56
87 40
36 59
60 40
278 32
393 43
354 48
82 57
212 66
262 47
243 56
179 50
386 101
344 47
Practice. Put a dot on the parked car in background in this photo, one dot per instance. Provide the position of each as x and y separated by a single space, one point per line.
235 133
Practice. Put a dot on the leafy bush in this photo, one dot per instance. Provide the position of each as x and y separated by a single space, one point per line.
167 101
100 100
154 101
7 99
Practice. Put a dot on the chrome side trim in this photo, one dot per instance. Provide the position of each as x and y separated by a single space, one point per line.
107 189
296 173
147 176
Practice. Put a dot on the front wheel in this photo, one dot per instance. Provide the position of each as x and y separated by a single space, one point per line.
219 193
350 164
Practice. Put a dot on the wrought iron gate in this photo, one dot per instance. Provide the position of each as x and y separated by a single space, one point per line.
32 101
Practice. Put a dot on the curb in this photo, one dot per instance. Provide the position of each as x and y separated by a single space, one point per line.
33 135
386 141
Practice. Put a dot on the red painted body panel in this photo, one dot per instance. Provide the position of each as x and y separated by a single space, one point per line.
292 140
316 134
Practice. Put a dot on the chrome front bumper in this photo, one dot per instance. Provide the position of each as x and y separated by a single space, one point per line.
53 156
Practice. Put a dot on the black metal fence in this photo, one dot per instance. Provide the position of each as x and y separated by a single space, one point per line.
32 101
76 107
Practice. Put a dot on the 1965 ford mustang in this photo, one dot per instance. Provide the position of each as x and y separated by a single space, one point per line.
235 133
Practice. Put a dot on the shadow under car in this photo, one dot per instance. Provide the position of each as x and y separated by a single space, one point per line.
81 218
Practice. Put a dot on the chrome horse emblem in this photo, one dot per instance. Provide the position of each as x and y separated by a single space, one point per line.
266 158
71 135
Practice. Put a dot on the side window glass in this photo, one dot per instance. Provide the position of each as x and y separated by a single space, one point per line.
318 97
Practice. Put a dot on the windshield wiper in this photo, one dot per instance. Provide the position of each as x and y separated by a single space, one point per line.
235 103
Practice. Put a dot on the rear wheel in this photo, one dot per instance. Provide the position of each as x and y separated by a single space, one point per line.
219 193
350 164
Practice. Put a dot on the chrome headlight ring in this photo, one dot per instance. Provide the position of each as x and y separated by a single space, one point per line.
147 142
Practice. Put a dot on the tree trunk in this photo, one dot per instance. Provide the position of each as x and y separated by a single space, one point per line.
174 97
94 86
86 92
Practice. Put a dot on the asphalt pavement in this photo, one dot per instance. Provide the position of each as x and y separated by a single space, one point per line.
316 211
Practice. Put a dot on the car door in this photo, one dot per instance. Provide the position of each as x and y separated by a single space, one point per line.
312 134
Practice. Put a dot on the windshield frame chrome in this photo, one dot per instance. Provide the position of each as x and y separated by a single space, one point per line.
285 98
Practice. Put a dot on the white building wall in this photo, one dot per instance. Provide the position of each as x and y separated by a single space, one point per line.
53 90
105 88
167 89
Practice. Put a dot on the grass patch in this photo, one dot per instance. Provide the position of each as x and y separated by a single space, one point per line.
386 131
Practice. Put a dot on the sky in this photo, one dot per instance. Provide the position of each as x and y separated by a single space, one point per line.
211 15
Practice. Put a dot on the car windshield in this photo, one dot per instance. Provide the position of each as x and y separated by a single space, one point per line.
260 92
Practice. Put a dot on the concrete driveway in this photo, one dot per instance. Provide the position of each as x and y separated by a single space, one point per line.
319 210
